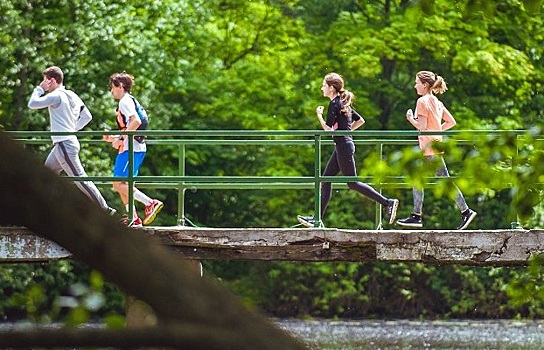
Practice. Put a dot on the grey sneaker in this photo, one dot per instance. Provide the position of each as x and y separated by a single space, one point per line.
307 221
466 218
413 220
391 210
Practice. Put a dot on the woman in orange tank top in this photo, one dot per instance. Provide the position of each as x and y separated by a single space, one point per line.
431 115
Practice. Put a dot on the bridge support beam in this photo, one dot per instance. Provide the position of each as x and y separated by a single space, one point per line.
18 244
478 247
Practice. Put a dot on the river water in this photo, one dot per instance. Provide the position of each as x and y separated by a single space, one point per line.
401 334
404 334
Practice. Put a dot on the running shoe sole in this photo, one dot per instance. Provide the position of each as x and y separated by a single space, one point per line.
303 222
409 224
394 211
149 219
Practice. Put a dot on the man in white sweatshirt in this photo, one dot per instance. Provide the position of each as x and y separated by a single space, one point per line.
67 113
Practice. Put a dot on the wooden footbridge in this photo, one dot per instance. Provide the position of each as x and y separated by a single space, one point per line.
477 247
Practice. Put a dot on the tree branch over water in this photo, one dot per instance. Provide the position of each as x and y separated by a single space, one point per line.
54 209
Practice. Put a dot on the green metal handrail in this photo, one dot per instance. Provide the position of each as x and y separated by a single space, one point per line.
184 138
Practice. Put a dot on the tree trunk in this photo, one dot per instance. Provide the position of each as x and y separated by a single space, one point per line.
53 208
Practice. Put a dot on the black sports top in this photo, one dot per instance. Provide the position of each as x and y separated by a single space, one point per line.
338 120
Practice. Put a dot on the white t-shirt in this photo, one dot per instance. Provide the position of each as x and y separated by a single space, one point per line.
128 109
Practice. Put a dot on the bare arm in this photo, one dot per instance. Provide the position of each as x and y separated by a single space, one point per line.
359 122
133 124
319 110
449 121
420 123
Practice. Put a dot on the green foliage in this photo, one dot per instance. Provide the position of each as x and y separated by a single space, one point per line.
392 290
61 290
525 292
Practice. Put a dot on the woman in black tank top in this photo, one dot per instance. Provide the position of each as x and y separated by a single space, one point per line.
340 116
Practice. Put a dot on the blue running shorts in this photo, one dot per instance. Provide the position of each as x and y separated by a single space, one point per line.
121 163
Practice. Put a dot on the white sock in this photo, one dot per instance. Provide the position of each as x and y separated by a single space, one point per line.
142 198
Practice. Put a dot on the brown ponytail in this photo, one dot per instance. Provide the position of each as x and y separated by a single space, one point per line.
335 80
435 81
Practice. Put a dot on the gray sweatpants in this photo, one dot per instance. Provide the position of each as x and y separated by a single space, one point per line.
442 171
65 156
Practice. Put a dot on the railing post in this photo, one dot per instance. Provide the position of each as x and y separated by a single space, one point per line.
181 185
130 181
317 181
515 224
378 214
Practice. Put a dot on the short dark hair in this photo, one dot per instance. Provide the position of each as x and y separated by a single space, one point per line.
54 72
124 79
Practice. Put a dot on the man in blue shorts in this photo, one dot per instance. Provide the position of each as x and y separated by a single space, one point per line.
129 120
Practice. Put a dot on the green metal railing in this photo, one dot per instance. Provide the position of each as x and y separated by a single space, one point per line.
184 139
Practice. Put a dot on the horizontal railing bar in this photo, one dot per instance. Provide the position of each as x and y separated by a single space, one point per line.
264 186
173 178
257 133
208 142
256 179
211 178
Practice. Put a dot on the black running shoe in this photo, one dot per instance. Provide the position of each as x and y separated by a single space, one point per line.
391 210
466 218
413 220
307 221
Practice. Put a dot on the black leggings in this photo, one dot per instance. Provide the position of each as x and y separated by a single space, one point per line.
342 161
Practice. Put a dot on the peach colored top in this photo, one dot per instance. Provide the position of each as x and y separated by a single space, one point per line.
430 107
